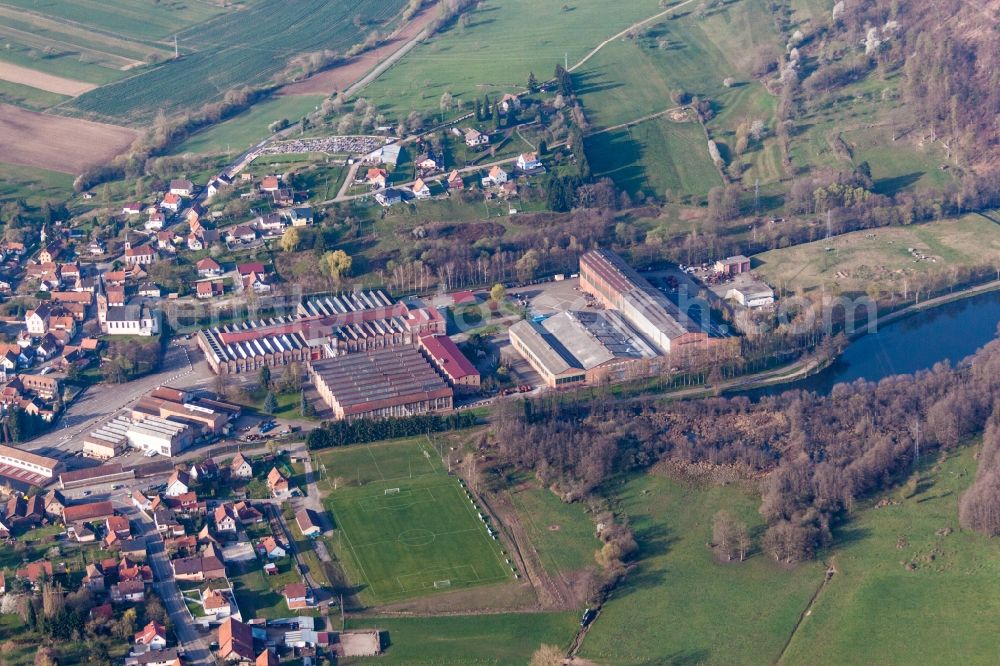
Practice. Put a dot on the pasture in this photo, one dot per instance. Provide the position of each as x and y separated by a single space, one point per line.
244 130
33 185
681 605
853 262
562 533
240 48
653 157
875 610
27 97
460 640
494 53
67 145
422 537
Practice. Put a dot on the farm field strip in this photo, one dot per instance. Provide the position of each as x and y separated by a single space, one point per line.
47 82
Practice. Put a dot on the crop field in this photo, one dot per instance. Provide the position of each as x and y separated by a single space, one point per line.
681 605
239 48
503 42
484 640
653 157
423 537
68 145
246 129
882 257
27 96
876 611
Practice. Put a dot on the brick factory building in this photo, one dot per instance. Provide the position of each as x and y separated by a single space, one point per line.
392 382
323 327
445 355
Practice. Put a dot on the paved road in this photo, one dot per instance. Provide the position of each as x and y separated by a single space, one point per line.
189 639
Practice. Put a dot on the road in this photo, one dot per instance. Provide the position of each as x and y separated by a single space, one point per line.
189 639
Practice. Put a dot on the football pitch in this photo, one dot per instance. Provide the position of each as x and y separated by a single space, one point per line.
405 527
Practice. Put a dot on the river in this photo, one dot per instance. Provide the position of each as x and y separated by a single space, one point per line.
949 332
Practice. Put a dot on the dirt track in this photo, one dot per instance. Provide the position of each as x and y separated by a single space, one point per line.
67 145
32 77
342 76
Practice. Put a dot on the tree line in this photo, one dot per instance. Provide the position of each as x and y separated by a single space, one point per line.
360 431
818 454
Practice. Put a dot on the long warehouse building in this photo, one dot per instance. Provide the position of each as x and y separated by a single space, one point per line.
391 382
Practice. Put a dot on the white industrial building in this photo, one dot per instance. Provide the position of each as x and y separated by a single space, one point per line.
152 433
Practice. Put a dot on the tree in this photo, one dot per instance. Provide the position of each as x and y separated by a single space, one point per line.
447 101
479 110
498 294
532 82
724 534
543 148
270 403
527 265
548 655
336 264
306 407
291 239
265 376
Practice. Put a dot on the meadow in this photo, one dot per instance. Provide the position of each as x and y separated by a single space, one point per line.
853 262
244 130
422 538
682 605
941 609
463 640
653 157
240 48
495 52
562 533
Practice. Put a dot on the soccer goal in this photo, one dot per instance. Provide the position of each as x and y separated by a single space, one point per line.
438 584
392 491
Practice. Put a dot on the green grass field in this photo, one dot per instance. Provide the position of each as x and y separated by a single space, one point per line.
881 257
562 533
239 48
653 157
28 97
242 131
682 606
875 611
425 538
478 640
33 185
503 42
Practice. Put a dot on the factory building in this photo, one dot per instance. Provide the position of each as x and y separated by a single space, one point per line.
445 355
617 285
390 382
584 347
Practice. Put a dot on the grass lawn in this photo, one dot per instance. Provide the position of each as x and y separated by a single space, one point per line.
881 257
33 185
424 538
242 131
680 605
562 533
258 594
463 640
875 611
655 156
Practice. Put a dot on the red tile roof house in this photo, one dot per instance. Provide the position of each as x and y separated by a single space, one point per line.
208 267
209 289
269 184
225 518
119 526
296 596
128 590
198 568
235 641
88 512
153 636
276 483
270 546
35 570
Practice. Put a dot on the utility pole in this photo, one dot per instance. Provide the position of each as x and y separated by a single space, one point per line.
566 58
176 51
756 196
916 445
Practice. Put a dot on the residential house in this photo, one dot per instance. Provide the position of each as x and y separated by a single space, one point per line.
296 596
208 267
389 197
216 603
376 178
246 513
301 216
119 526
155 222
508 190
427 163
182 187
528 162
283 197
88 511
153 636
240 468
166 522
140 501
50 253
133 591
196 241
266 658
455 181
34 571
235 642
259 283
171 202
242 233
496 176
476 139
209 289
198 568
149 290
269 184
509 101
54 504
271 223
308 522
420 189
277 484
270 547
206 469
94 579
178 483
225 518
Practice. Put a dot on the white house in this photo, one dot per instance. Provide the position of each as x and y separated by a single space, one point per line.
153 636
155 222
272 548
171 202
132 208
181 187
528 162
496 176
388 197
178 483
240 468
420 189
509 101
225 518
474 138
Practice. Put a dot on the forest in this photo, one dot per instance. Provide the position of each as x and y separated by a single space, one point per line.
812 456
